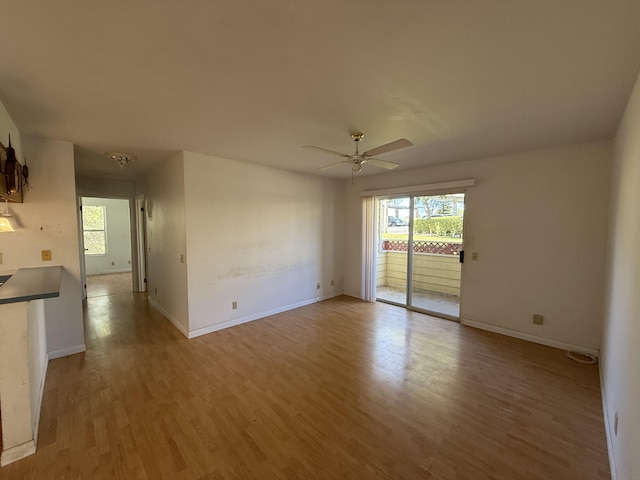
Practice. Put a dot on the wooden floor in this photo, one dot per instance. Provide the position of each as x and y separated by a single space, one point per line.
108 284
341 389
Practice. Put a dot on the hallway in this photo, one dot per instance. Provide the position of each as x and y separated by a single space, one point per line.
108 284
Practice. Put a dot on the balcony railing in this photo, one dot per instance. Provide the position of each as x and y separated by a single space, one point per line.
420 246
436 266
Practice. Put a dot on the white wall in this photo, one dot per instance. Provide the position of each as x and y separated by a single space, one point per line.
105 187
48 218
621 334
259 236
37 358
7 127
538 221
164 190
118 237
48 215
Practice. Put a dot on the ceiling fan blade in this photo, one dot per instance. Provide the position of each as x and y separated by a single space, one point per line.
388 147
382 163
334 165
324 150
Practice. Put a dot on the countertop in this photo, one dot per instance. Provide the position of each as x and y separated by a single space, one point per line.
31 284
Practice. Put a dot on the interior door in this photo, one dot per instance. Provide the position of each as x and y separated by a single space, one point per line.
83 265
141 231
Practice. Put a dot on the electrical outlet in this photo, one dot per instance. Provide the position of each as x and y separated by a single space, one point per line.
234 305
182 258
155 291
474 256
331 281
538 319
46 255
0 257
615 425
318 286
113 263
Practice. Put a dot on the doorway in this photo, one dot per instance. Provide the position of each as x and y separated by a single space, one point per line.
419 245
106 238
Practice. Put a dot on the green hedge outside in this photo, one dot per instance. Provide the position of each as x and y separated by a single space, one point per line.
440 226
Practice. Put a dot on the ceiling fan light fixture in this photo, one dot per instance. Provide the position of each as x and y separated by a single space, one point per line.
122 158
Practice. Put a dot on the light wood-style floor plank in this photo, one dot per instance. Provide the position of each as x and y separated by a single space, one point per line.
341 389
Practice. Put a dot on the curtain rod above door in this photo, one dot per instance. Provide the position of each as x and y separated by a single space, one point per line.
415 189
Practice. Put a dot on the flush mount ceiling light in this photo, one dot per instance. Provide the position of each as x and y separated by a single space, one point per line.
121 158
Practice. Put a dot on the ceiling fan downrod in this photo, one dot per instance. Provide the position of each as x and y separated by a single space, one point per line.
356 138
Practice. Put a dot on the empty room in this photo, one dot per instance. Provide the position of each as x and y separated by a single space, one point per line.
281 240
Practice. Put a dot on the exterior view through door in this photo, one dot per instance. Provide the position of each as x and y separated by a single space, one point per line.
425 277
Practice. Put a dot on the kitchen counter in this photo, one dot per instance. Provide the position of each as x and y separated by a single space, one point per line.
23 356
28 284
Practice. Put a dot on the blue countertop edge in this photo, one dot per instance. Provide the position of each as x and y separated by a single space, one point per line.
32 283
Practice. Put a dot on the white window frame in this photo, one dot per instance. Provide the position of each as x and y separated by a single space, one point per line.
104 230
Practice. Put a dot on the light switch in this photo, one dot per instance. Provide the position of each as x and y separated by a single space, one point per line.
46 255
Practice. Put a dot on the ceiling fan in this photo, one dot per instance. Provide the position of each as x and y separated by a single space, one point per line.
358 159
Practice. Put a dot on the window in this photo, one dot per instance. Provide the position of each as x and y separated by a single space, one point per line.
93 227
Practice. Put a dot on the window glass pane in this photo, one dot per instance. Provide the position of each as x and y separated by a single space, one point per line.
92 218
94 243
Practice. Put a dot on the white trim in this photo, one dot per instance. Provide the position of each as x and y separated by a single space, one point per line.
256 316
237 321
140 244
369 250
36 419
353 294
63 352
18 452
107 272
417 189
173 320
527 336
83 260
607 428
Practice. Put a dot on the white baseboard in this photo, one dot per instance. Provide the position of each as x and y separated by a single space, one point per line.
175 322
107 272
67 351
607 428
256 316
18 452
527 336
354 295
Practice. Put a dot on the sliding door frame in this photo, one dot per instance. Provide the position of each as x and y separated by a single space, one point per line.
411 192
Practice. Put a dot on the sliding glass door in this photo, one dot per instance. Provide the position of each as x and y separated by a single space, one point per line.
418 259
394 215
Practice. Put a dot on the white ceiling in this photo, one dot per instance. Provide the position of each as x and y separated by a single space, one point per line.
257 80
